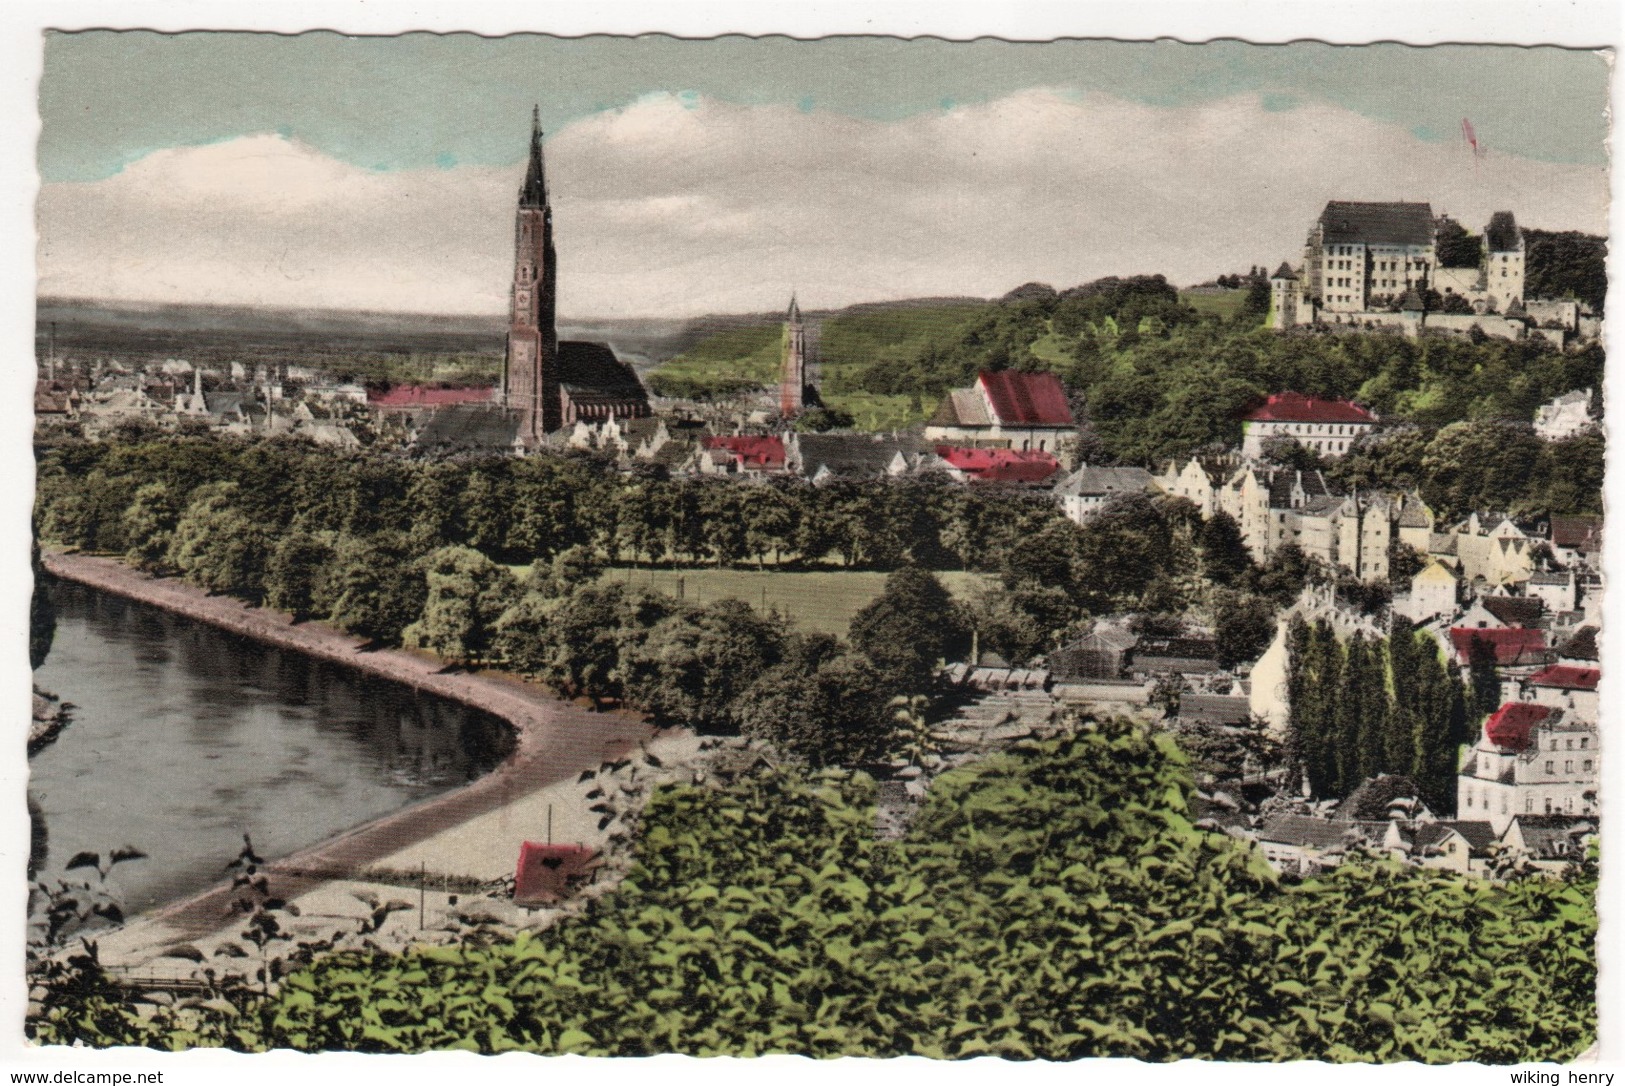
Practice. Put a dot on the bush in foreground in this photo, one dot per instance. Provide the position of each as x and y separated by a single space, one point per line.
1054 902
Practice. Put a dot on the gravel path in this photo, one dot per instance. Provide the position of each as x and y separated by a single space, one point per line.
554 740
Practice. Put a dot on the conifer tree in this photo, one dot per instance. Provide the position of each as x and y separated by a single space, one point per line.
1442 715
1486 684
1399 728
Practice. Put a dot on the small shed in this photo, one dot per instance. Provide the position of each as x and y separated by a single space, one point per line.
547 874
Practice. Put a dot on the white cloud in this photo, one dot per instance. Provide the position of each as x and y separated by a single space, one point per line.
678 205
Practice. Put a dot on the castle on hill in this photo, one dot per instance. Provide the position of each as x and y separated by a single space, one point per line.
1396 266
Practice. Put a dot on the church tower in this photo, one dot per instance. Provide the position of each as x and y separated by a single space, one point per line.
530 369
793 383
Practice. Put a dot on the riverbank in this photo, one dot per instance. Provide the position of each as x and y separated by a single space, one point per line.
554 741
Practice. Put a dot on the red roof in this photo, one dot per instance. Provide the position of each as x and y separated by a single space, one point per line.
418 396
1512 646
1567 677
1296 407
1026 399
1001 465
1509 726
751 452
546 871
1582 531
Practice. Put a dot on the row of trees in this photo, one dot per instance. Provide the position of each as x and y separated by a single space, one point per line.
359 538
1362 706
516 510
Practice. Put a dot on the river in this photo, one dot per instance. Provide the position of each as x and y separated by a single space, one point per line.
184 737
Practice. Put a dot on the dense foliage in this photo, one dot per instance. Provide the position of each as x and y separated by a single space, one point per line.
1566 264
1055 902
1363 706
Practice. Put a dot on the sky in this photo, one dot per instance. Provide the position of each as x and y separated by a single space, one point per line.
319 170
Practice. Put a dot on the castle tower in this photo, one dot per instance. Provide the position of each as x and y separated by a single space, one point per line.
793 383
1503 260
529 369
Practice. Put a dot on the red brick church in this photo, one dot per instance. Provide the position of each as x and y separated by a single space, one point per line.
548 384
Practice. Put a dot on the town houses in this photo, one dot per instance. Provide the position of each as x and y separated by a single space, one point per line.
1507 601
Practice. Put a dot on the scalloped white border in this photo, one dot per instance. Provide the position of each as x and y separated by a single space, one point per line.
1576 23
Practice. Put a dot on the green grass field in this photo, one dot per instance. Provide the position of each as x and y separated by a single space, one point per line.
878 411
818 600
1221 305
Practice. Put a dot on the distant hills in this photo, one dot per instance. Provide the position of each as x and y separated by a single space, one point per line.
213 334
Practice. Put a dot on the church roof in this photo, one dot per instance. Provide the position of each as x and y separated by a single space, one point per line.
468 427
1284 272
591 370
1346 222
1027 399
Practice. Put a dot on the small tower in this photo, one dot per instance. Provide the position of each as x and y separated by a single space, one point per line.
793 382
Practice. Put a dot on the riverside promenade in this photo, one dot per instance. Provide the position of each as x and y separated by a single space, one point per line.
472 832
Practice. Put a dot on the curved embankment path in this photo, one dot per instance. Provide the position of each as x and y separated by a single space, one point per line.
554 740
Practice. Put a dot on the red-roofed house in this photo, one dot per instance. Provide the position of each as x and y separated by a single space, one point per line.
998 465
1328 427
1564 686
1024 412
409 397
1514 647
547 874
1529 759
751 455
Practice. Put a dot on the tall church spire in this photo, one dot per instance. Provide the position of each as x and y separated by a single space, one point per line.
534 192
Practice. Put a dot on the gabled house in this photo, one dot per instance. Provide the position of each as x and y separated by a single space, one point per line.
1086 491
1434 592
1576 539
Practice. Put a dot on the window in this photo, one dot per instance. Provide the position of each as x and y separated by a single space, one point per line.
1548 804
1529 805
1569 744
1451 848
1568 766
1550 766
1583 742
1585 766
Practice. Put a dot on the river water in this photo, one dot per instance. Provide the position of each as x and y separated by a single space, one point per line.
184 737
